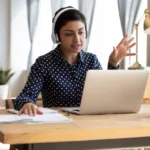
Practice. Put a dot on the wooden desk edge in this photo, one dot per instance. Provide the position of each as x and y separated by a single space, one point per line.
76 135
78 130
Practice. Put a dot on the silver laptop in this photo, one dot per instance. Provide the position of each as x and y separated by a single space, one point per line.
112 91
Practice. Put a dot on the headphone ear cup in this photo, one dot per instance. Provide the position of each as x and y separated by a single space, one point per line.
53 38
53 34
57 39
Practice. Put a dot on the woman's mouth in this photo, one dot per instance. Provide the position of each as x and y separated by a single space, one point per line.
75 46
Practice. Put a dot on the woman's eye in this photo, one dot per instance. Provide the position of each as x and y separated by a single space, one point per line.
68 34
81 33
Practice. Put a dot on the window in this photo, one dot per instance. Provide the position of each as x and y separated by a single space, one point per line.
42 39
106 33
106 30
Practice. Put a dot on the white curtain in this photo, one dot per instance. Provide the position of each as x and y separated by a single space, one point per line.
128 11
32 11
23 22
87 7
56 4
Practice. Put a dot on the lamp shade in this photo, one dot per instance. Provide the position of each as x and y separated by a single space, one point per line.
147 22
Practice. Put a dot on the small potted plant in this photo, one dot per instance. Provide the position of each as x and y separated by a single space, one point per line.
5 75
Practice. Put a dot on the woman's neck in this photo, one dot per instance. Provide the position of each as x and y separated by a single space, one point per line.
71 58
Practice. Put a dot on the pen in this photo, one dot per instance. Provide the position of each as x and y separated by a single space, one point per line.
68 113
13 111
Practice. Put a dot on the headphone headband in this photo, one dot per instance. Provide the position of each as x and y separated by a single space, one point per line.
59 13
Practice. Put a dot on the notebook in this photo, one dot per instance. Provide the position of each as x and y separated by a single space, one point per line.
112 91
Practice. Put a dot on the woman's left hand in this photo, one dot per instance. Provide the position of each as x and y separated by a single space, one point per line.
121 51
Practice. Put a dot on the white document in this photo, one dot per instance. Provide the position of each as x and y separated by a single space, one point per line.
45 118
47 110
49 116
44 110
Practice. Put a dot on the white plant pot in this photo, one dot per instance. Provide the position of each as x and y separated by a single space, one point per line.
3 94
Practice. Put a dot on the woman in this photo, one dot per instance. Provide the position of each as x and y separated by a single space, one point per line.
60 74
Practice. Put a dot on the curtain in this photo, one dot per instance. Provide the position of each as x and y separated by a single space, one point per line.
32 11
128 11
87 7
56 4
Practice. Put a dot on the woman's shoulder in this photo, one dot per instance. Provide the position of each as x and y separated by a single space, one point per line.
47 57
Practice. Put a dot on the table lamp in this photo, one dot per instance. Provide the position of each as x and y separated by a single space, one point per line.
137 65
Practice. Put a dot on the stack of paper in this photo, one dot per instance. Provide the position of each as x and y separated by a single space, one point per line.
49 116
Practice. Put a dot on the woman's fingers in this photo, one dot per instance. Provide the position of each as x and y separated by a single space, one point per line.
26 111
30 109
130 46
120 51
34 110
123 39
131 54
21 111
128 42
39 111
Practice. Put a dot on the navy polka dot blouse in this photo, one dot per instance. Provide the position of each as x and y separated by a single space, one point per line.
60 83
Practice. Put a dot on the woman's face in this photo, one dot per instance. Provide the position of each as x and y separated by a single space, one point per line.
73 36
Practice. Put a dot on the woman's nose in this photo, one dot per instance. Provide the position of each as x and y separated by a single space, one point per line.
76 38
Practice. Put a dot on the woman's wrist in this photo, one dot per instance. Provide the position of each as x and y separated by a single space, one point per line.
113 61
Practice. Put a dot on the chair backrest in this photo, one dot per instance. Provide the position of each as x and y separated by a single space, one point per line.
9 103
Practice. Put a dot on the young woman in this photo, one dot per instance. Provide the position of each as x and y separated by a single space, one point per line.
60 74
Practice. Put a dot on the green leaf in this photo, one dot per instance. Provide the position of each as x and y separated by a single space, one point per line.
5 75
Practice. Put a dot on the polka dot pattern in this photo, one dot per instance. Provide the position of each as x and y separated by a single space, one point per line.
60 83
